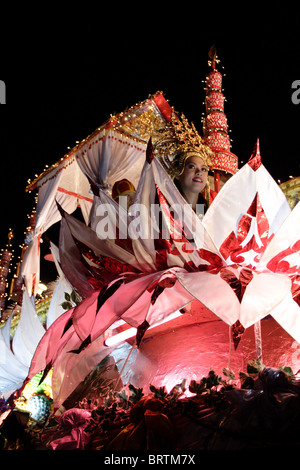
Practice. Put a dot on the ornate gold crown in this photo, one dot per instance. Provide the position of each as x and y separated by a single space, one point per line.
178 141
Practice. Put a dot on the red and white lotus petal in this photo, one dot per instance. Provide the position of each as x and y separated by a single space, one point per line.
246 214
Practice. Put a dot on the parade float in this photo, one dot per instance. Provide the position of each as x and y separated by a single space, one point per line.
145 344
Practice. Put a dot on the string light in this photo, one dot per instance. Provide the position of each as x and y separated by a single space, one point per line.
115 122
5 262
15 292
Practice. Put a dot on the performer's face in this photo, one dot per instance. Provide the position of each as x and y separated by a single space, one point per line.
194 176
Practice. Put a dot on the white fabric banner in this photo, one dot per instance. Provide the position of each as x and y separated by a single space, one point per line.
30 269
53 191
62 287
12 371
110 157
28 332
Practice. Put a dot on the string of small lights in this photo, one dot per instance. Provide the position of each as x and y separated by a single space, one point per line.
5 262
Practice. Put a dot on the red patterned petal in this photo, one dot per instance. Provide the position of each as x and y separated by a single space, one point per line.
255 159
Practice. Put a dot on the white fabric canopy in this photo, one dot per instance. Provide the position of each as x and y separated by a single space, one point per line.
113 152
104 161
111 156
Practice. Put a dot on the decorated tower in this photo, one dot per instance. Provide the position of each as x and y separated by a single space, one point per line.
215 127
16 286
5 260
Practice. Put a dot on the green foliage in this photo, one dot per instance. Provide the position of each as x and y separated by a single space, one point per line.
207 384
288 371
113 410
136 393
129 396
254 367
71 300
162 394
229 373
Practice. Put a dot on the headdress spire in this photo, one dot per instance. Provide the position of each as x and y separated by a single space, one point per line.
178 141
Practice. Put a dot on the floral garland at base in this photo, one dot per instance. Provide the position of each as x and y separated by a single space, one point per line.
262 412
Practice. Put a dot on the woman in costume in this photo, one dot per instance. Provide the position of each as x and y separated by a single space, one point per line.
193 180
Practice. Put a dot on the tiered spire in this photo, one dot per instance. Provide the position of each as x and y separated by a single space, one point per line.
215 128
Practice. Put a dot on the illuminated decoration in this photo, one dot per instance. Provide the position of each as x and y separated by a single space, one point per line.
39 407
138 122
262 403
16 285
34 386
240 262
116 149
178 141
5 261
36 397
291 189
41 288
215 127
243 265
120 144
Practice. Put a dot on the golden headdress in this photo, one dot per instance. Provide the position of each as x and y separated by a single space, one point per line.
178 141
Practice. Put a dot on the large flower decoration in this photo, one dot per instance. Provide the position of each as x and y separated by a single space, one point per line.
242 261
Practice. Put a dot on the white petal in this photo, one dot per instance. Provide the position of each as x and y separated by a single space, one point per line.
262 295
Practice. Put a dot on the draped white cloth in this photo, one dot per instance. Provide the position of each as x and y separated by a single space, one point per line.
58 296
47 214
28 332
30 269
15 362
107 156
111 156
12 371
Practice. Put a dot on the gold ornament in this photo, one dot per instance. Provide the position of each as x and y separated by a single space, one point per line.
178 141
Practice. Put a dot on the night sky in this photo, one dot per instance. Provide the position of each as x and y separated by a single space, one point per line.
65 80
